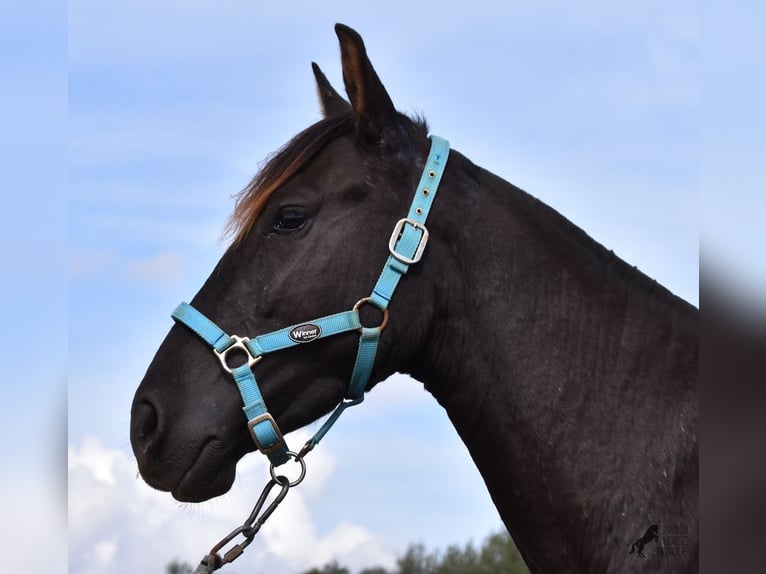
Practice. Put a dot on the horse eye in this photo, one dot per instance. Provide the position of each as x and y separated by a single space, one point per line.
290 218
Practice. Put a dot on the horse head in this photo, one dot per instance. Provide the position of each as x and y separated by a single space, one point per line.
309 237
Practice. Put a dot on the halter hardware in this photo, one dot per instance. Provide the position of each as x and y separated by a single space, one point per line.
239 344
369 301
267 450
397 234
299 459
406 246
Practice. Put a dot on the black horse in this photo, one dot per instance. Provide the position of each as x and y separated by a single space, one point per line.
570 376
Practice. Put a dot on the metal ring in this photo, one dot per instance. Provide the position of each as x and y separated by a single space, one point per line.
298 480
365 300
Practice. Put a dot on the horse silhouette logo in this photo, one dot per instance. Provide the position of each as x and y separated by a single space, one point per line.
649 535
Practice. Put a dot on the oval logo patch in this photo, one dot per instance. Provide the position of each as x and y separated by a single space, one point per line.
305 333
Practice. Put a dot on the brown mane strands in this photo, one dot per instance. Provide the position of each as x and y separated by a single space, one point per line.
287 161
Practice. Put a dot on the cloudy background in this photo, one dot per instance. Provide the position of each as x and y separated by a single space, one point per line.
592 107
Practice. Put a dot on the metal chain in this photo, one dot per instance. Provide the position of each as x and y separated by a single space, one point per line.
213 560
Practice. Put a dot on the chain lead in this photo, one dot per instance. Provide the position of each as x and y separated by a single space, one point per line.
258 516
208 564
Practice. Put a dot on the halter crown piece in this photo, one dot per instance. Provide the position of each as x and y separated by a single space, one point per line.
406 246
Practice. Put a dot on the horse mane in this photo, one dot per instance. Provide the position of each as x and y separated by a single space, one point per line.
279 167
286 162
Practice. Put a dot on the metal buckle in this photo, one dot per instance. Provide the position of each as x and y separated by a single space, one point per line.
239 344
398 230
259 419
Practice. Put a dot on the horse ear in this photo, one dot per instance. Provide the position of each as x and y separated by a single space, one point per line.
332 102
373 107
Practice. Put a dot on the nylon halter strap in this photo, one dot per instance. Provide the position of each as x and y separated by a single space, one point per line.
406 246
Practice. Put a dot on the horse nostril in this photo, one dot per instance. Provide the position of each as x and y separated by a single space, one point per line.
146 423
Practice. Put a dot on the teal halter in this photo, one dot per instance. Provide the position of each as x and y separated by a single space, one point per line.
406 246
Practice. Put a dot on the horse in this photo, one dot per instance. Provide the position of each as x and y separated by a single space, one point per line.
570 376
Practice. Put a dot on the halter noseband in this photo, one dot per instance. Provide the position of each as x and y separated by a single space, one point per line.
406 247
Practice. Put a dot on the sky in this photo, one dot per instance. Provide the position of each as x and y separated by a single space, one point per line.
151 115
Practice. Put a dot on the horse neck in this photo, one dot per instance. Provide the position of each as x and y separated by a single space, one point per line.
569 375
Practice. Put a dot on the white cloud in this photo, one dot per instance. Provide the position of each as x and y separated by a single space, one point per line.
104 552
398 390
118 524
96 459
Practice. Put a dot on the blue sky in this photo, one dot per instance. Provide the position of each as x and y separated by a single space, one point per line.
593 108
33 288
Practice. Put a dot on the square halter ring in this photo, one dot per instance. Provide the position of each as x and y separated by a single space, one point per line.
237 345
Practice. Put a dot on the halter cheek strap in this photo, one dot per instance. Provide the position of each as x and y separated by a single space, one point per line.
406 245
